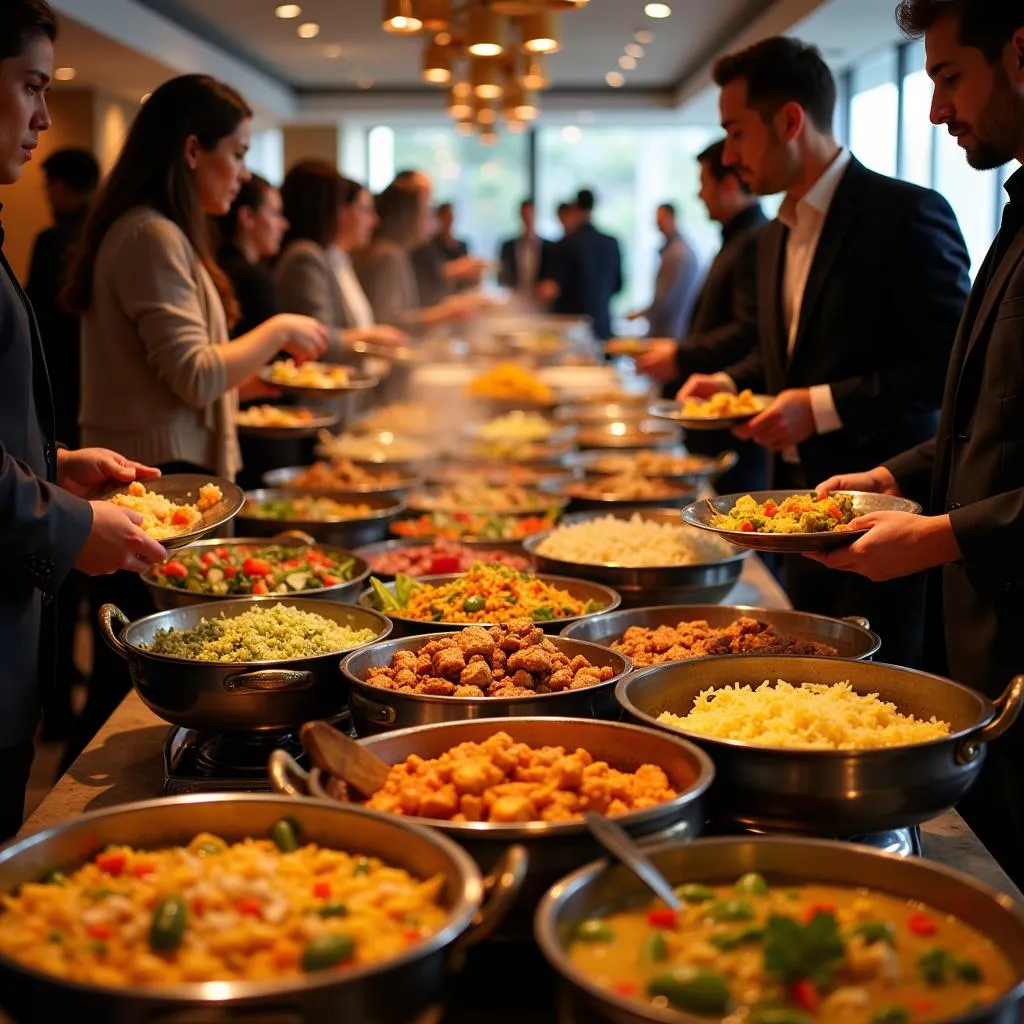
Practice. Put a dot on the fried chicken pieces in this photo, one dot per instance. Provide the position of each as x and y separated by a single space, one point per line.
505 782
513 660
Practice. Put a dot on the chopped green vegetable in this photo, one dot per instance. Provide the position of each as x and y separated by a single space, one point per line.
891 1015
728 941
545 613
55 938
327 951
795 952
209 848
693 893
285 834
655 947
383 598
55 878
969 971
362 867
779 1015
473 604
98 892
167 926
333 910
875 931
594 930
752 884
404 586
730 910
693 989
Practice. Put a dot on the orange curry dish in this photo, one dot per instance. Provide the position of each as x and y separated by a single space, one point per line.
504 782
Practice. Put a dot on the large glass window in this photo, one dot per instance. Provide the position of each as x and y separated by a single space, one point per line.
485 183
631 171
917 131
874 112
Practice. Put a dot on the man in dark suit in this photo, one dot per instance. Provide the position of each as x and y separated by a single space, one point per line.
860 285
721 331
523 257
970 475
47 522
588 270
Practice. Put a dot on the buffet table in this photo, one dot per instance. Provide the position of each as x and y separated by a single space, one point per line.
123 763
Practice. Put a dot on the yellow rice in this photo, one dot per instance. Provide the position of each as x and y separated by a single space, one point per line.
811 716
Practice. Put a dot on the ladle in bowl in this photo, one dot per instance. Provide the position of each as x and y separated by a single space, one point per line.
341 756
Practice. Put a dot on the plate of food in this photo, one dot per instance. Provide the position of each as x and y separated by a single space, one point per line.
790 523
282 422
719 412
182 507
316 380
512 386
340 475
630 347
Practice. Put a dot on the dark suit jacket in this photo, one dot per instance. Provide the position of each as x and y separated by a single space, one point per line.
508 275
588 269
974 470
880 311
42 527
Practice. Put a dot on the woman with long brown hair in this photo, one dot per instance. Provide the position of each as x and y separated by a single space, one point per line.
158 371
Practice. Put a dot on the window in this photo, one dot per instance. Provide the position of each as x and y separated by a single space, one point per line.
874 112
485 183
631 171
917 133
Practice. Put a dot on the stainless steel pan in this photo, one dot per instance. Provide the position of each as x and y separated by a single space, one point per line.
833 792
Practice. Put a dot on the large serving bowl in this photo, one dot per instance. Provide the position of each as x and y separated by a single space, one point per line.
485 548
850 637
165 597
833 792
643 585
554 847
608 600
283 479
599 888
346 533
599 494
392 992
585 414
376 709
235 697
688 470
438 499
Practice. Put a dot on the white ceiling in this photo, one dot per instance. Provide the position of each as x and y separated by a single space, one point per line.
593 40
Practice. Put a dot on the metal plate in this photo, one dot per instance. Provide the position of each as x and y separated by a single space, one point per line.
673 412
699 515
357 381
629 434
324 421
183 489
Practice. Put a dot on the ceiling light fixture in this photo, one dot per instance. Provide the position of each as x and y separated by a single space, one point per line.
484 112
658 11
616 79
458 105
437 65
634 50
486 31
540 32
464 127
64 74
334 51
400 18
488 136
535 76
436 15
627 63
485 77
644 36
288 11
308 30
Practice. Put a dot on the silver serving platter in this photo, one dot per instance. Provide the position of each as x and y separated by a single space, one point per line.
183 489
673 413
702 582
700 514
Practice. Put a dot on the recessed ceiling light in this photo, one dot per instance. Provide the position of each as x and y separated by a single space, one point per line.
288 11
634 50
616 79
571 134
644 36
334 51
627 63
658 11
64 74
308 30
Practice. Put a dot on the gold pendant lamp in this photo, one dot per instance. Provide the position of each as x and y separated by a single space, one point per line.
400 18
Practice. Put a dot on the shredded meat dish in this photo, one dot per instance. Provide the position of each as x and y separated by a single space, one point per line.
700 640
513 660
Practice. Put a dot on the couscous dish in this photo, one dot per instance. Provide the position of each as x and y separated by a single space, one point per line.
801 513
161 517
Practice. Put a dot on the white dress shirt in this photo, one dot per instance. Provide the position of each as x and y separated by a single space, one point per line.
356 302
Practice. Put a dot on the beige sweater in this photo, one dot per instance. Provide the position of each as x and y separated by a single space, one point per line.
153 382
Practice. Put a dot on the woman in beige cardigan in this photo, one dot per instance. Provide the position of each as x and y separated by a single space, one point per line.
159 375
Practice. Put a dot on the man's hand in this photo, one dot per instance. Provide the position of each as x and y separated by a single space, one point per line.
659 361
385 334
89 472
876 481
896 544
700 385
787 422
116 542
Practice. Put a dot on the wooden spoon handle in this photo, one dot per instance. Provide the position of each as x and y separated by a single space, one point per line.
339 755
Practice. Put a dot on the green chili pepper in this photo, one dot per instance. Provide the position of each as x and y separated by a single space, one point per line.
752 884
891 1015
327 951
285 835
728 941
778 1015
473 604
209 848
695 893
55 878
730 910
875 931
333 910
362 867
594 930
693 989
655 948
167 927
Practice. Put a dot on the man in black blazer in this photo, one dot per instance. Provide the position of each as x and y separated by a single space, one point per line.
860 285
47 523
523 257
588 270
721 331
970 475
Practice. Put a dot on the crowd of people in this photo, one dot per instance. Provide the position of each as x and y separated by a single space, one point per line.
162 289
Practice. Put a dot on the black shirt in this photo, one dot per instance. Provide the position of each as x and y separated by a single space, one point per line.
254 287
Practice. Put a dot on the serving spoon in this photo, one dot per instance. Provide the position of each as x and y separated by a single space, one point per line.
618 843
341 756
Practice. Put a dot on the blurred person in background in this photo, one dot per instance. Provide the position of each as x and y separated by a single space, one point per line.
588 270
523 257
329 218
386 270
861 282
461 271
52 518
547 283
159 371
720 330
676 284
71 176
452 248
251 233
